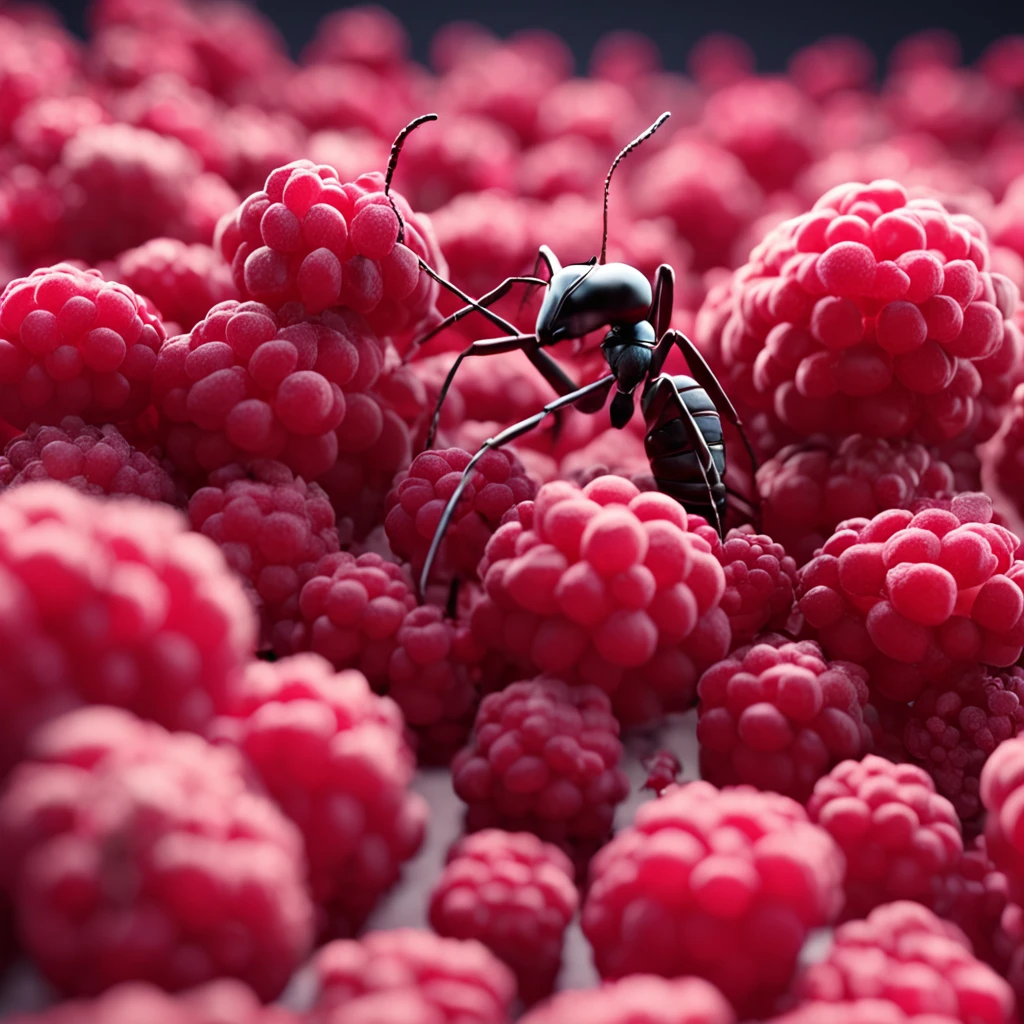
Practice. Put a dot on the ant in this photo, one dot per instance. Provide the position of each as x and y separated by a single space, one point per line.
684 442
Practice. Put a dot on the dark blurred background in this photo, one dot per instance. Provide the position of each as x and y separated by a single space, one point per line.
774 29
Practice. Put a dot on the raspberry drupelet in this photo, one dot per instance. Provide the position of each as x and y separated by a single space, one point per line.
604 586
915 598
723 884
898 835
663 769
133 853
74 344
778 716
516 895
333 756
858 1011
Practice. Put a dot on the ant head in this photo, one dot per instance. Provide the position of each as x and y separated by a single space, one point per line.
396 149
629 348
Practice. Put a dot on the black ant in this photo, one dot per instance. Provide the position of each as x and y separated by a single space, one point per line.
684 441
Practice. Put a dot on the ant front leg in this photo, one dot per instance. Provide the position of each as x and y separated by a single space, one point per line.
664 301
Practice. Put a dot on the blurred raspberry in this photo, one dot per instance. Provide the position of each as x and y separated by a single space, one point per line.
123 55
256 142
914 598
603 112
461 980
723 884
342 96
779 716
663 769
930 47
45 125
857 1011
568 164
1002 462
93 460
1000 786
348 151
363 34
31 216
807 489
273 529
1003 62
904 954
605 587
624 56
720 59
73 344
832 65
216 871
516 895
544 758
898 835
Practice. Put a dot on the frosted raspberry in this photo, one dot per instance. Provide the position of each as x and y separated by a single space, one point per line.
807 489
904 954
914 597
123 55
898 835
462 981
216 870
868 314
273 528
333 756
44 126
73 344
778 716
256 142
605 587
544 758
831 65
638 997
663 769
724 884
857 1011
94 460
516 895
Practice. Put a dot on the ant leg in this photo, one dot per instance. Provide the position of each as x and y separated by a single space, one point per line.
550 260
500 322
499 440
664 300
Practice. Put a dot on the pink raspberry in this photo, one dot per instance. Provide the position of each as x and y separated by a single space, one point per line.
32 212
832 65
904 954
605 587
1001 62
333 756
72 344
568 164
184 281
663 770
603 112
1002 461
544 758
897 834
638 997
778 716
462 981
868 314
216 871
93 460
364 34
915 598
44 126
857 1011
273 528
720 59
516 895
723 884
256 142
808 488
1000 784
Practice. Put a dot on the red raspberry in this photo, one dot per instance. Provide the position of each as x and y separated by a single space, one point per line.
123 55
544 758
74 344
568 164
93 460
216 871
32 212
624 56
1002 62
807 489
724 884
857 1011
256 142
605 587
904 954
832 65
516 895
1002 459
463 981
363 34
926 48
638 997
719 59
600 111
898 835
273 528
753 729
663 769
333 756
913 598
342 96
865 315
44 126
1000 784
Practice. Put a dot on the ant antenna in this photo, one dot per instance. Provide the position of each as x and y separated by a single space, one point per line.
396 148
615 163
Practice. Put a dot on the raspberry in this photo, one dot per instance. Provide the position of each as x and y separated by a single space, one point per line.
72 344
332 755
569 164
516 895
273 528
364 34
724 884
857 1011
663 769
868 314
185 281
256 142
93 460
216 870
638 997
898 835
832 65
999 787
752 728
914 598
1002 459
544 758
719 59
32 215
462 981
1001 62
624 56
807 489
904 954
602 112
953 728
44 126
605 587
